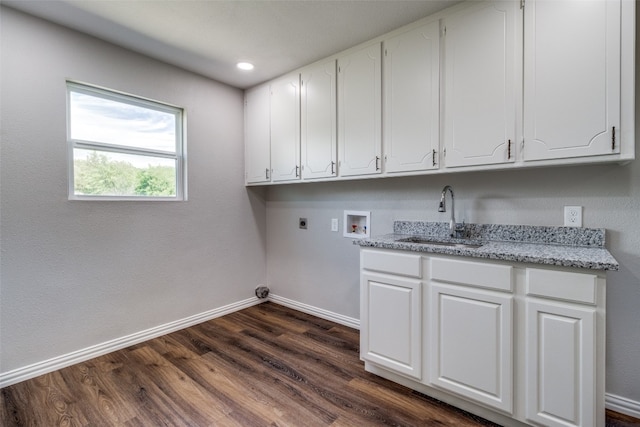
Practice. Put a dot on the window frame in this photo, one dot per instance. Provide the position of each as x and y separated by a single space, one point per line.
179 156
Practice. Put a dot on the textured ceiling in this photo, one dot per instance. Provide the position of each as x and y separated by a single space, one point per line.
210 37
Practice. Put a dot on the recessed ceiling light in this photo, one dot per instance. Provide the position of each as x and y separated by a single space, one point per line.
247 66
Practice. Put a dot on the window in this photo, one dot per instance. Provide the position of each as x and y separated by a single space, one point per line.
122 147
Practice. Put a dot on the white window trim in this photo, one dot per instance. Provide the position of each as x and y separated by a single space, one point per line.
179 156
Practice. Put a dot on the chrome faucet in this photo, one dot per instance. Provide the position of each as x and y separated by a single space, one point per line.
454 229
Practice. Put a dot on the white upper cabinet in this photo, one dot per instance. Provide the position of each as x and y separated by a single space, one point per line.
285 128
359 111
411 99
318 121
485 84
572 78
257 130
482 80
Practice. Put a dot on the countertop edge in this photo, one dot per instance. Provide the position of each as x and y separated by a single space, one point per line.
534 253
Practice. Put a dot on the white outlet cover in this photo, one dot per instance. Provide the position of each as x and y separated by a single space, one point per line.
573 216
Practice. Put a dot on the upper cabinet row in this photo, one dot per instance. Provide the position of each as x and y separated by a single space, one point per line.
489 84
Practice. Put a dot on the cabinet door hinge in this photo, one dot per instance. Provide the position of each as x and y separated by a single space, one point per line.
522 4
444 31
385 52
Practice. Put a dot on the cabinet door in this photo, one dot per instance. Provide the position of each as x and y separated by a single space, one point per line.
257 135
318 121
391 329
471 344
412 103
359 112
560 378
572 78
285 128
482 80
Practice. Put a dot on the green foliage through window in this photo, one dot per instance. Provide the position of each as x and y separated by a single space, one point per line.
98 174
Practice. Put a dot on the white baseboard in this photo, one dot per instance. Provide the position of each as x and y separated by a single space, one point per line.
319 312
622 405
46 366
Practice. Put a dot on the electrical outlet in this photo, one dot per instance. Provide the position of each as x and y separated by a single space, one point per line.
302 223
334 224
573 216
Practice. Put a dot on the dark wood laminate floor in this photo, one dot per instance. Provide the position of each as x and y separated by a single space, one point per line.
263 366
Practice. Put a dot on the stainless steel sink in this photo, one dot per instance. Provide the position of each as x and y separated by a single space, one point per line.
426 241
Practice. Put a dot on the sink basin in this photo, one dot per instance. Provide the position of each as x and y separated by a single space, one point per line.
426 241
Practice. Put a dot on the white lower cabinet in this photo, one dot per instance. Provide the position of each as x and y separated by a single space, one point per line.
471 341
395 336
391 303
561 347
519 344
561 364
471 320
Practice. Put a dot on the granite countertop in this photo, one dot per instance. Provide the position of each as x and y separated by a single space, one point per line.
562 246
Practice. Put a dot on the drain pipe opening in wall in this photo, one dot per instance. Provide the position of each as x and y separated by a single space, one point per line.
262 291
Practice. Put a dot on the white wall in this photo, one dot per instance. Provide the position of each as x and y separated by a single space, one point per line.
320 268
76 273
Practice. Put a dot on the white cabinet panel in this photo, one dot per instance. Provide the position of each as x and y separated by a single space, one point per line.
359 112
391 311
257 140
482 80
392 262
471 344
576 287
474 273
572 78
318 121
561 371
285 128
411 99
